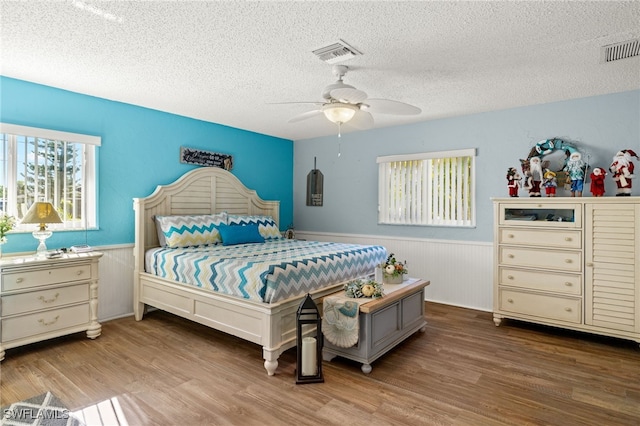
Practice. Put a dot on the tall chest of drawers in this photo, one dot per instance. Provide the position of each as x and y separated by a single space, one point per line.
45 298
569 262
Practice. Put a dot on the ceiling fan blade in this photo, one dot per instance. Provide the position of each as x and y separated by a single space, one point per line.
298 103
348 95
386 106
361 120
306 115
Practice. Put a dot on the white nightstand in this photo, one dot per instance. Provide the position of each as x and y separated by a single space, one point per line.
45 298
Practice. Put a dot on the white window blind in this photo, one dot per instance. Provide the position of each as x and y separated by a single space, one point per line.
435 188
48 165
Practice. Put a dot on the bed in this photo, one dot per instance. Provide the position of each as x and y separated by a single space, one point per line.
258 305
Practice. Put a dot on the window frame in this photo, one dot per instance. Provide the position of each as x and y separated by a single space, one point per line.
426 215
89 172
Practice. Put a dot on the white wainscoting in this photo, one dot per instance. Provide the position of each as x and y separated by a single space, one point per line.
461 272
115 291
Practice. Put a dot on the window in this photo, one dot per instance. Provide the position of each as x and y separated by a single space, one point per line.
433 188
47 165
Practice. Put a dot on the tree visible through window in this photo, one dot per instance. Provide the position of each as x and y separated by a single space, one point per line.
435 188
46 165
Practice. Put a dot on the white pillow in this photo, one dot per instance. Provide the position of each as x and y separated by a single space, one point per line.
266 225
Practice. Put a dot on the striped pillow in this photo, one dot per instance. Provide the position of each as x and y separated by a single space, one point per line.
266 225
190 230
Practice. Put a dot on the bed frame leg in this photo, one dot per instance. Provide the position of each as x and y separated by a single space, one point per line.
270 361
271 367
139 309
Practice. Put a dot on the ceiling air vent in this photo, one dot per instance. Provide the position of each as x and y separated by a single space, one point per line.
625 49
336 52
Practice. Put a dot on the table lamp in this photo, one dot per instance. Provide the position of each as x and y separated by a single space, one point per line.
41 213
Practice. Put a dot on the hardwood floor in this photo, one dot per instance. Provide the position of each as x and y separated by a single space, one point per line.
463 371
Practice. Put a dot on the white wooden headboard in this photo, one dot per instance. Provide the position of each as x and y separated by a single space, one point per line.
204 190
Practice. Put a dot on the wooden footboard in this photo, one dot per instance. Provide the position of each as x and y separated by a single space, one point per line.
273 326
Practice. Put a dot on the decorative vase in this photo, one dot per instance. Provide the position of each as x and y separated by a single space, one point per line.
392 279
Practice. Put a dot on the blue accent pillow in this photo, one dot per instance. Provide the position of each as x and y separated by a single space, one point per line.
240 234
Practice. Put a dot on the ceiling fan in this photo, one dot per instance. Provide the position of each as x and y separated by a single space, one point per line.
344 103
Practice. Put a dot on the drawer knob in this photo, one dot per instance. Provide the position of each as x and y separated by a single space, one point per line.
510 256
567 261
41 298
45 323
567 238
510 235
568 284
510 277
79 272
568 309
19 280
510 300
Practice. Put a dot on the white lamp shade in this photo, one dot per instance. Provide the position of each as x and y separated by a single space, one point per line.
339 112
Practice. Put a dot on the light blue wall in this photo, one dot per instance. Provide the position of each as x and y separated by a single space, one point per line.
599 126
140 149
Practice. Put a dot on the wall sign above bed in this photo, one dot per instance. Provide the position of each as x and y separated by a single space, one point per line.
205 158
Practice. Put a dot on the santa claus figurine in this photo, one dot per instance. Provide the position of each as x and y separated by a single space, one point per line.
622 170
513 181
597 181
532 169
576 169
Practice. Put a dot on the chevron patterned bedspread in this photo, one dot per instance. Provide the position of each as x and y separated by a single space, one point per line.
269 272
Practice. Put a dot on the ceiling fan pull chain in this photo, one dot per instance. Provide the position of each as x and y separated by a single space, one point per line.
339 138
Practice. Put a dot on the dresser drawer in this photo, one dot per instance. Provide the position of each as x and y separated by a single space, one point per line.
540 258
560 238
541 280
33 278
541 305
44 322
540 214
44 299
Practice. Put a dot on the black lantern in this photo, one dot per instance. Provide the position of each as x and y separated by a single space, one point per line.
309 340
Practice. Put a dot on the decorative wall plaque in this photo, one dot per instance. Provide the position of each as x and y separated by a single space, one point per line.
315 181
205 158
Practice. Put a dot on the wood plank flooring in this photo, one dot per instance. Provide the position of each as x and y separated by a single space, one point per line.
463 371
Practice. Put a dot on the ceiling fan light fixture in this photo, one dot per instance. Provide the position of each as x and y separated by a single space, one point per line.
338 112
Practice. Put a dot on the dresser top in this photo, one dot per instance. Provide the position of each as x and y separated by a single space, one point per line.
28 260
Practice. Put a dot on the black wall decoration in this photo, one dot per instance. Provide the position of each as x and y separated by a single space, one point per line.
205 158
314 186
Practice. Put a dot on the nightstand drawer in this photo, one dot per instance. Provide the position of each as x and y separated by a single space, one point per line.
541 280
39 277
44 299
563 260
44 322
541 305
540 237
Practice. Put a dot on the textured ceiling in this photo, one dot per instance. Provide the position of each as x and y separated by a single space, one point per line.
228 62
